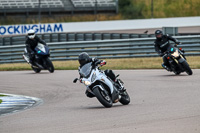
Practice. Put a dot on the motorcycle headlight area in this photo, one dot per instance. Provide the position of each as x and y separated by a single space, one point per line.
87 82
93 77
175 54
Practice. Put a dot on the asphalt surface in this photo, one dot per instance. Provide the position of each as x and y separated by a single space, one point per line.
160 103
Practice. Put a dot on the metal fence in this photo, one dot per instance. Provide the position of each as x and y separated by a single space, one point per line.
63 37
119 48
68 37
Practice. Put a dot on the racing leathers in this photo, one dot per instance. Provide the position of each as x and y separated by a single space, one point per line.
31 44
161 46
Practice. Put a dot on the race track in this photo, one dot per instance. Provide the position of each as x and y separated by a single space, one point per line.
160 103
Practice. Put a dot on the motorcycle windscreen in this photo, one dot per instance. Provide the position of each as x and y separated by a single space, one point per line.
41 49
86 70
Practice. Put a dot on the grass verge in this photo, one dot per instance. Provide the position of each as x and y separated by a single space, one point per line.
128 9
0 97
125 63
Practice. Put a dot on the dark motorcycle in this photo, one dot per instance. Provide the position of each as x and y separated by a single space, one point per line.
177 60
41 60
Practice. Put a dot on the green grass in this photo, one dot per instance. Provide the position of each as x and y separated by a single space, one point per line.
134 9
170 8
125 63
0 97
128 9
57 19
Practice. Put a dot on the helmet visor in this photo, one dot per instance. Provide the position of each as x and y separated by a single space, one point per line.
82 61
31 36
159 35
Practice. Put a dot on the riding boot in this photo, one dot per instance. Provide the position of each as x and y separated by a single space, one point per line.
166 67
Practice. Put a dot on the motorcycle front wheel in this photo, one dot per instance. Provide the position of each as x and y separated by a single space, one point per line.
103 97
49 65
187 68
36 70
125 99
177 73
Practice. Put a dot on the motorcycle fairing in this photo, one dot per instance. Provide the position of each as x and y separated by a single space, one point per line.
42 49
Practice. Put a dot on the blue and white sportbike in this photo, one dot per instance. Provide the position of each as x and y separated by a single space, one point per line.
41 60
102 87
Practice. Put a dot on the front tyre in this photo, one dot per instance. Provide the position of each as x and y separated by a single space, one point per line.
187 68
177 73
49 65
125 99
36 70
103 97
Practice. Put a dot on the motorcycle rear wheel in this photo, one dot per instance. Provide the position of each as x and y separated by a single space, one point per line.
103 98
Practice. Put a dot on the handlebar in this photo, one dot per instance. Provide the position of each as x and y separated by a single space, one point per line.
100 63
97 64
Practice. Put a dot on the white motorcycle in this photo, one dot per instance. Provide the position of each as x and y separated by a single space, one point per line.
102 87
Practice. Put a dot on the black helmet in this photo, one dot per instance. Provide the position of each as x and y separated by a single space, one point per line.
83 58
158 34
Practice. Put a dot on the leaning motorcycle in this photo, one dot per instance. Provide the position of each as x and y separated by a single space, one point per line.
177 60
41 60
102 87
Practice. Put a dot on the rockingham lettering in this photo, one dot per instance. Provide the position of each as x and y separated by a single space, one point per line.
23 29
16 29
26 28
9 31
2 30
49 28
42 28
58 28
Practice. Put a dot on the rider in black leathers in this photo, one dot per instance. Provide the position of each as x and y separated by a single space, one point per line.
161 45
84 59
32 42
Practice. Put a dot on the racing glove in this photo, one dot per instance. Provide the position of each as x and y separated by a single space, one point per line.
102 63
32 54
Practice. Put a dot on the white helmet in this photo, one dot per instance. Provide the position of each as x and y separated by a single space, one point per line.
31 34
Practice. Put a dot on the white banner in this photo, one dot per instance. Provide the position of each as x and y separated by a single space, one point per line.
101 25
23 29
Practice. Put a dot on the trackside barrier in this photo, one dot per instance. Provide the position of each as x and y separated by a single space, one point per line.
119 48
68 37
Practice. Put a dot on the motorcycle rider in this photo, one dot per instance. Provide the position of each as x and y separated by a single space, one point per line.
161 45
84 58
32 42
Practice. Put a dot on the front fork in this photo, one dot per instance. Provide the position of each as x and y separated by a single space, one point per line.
120 84
45 63
115 97
178 61
181 59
